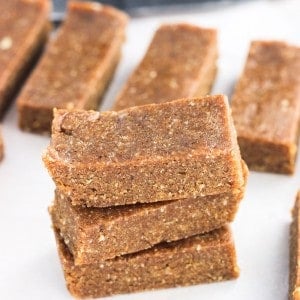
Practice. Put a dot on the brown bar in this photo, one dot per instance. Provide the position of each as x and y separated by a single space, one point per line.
294 292
77 66
94 235
180 149
266 107
199 259
24 28
180 63
1 147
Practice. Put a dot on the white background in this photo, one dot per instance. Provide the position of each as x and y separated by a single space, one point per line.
29 266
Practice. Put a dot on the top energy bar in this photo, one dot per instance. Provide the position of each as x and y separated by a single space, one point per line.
77 66
180 63
180 149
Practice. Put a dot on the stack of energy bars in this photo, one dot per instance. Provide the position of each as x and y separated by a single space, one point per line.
144 195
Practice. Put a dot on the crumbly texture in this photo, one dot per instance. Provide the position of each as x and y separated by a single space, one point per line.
24 29
180 149
294 292
1 147
76 67
96 234
266 107
198 259
180 63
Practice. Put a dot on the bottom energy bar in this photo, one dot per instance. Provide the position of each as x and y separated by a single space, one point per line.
199 259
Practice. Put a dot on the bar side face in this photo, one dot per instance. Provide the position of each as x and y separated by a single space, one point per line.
180 62
266 107
24 29
94 235
150 181
69 225
77 66
267 156
294 287
199 259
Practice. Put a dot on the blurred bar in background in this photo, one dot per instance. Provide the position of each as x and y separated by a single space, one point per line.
141 7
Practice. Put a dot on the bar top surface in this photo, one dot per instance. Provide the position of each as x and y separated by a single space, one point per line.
194 125
171 67
266 102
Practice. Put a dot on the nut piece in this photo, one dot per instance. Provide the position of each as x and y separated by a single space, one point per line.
6 43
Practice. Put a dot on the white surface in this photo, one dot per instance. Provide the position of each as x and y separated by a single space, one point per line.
29 267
